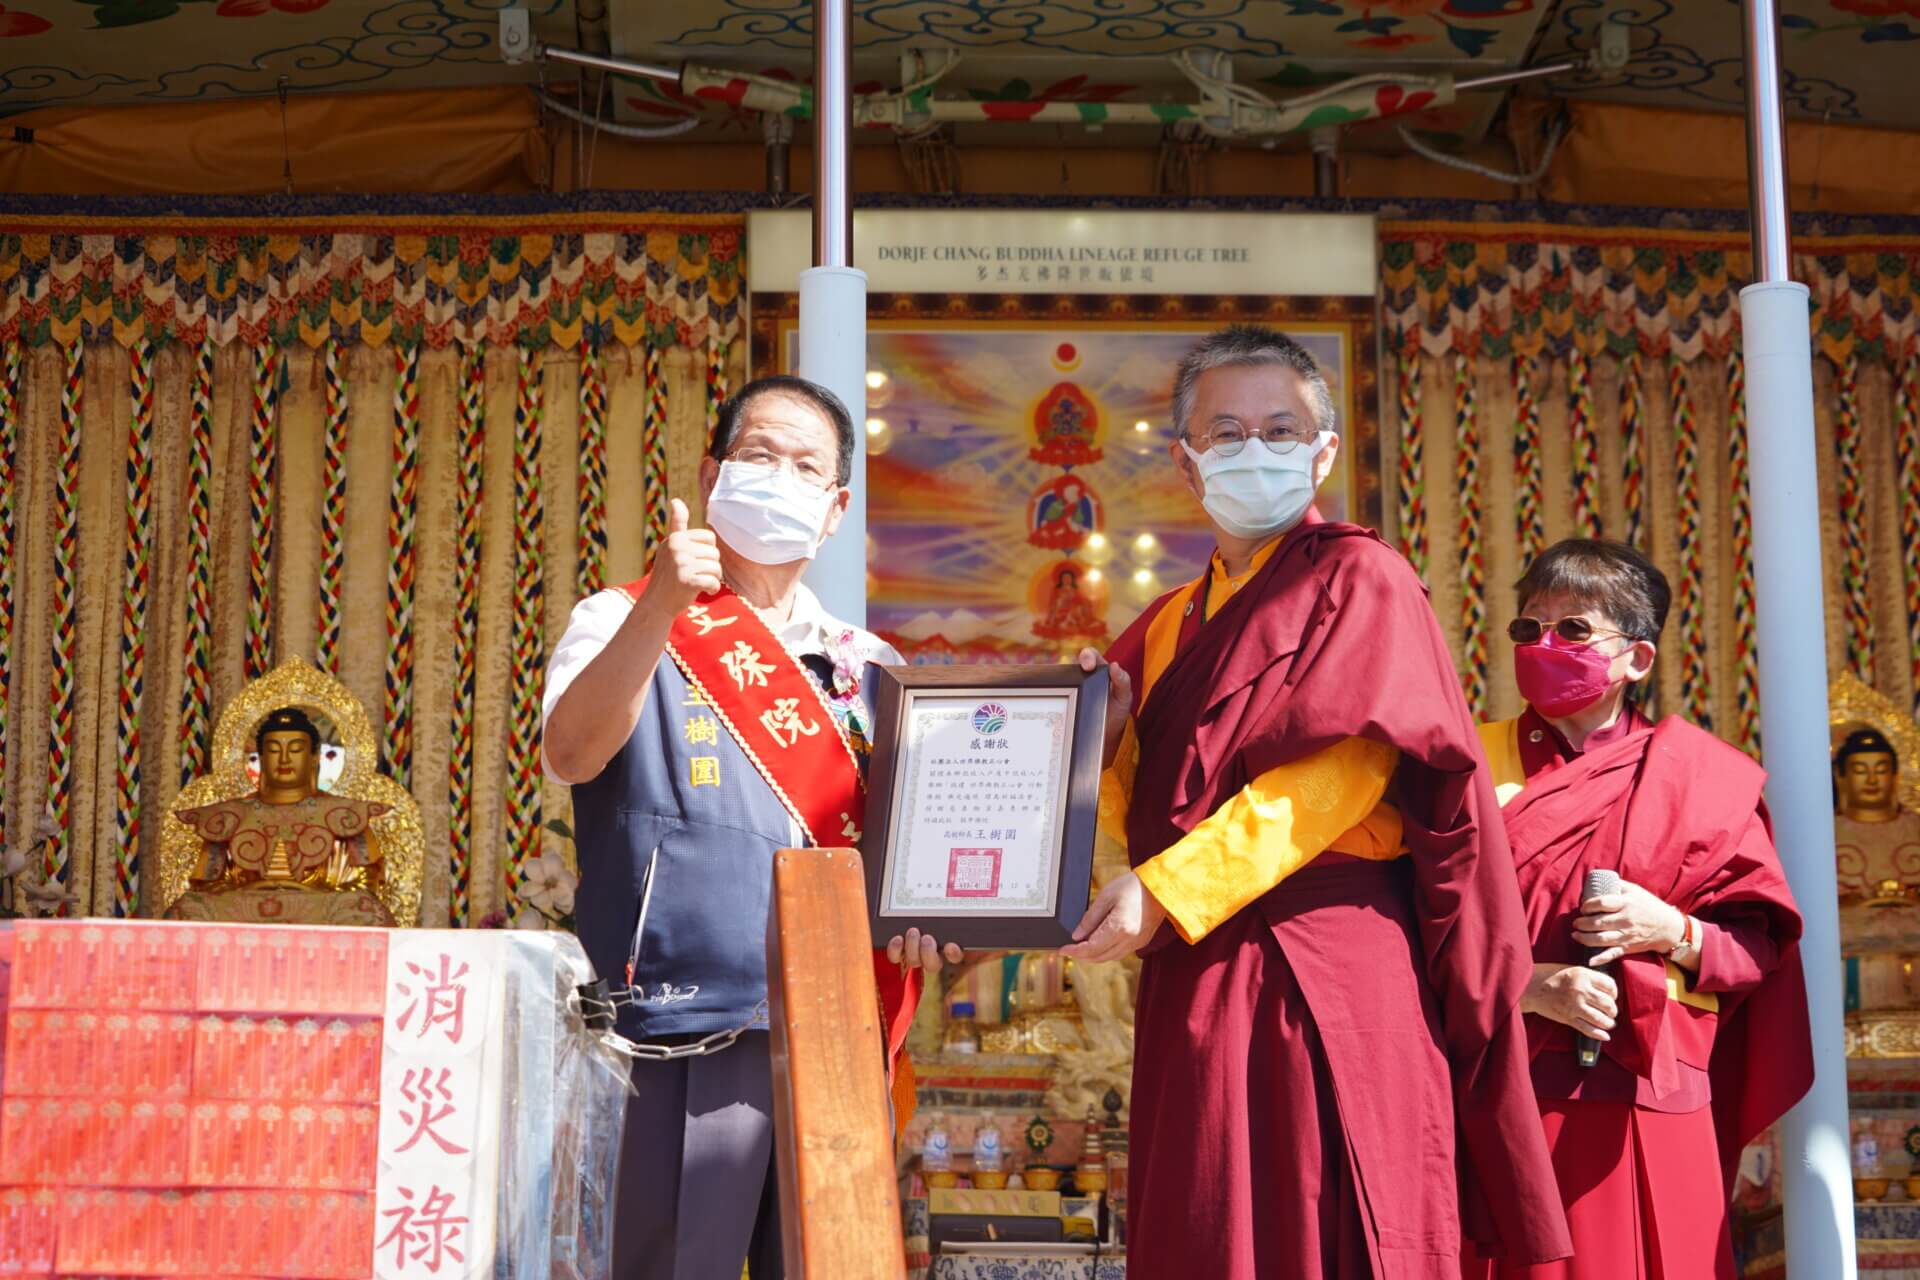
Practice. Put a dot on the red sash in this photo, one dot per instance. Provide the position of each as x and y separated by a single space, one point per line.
779 716
775 712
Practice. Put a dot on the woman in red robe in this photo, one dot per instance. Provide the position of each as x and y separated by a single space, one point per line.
1674 976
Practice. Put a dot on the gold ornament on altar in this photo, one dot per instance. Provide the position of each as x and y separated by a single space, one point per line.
1090 1176
1039 1175
1022 1002
1883 1033
1876 783
300 847
1042 1005
1891 893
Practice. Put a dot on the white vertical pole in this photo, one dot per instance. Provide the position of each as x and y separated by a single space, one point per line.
833 304
1816 1174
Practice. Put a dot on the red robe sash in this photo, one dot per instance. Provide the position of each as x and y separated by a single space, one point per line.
780 718
1666 809
1333 638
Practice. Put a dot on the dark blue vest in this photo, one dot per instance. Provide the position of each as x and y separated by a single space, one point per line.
680 824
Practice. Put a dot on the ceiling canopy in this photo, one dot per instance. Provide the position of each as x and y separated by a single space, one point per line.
999 68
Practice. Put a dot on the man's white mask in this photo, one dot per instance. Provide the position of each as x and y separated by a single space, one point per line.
768 514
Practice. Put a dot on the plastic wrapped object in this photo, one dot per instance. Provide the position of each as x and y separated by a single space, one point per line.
332 1104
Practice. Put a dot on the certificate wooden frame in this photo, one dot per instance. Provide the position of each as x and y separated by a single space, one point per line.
1070 818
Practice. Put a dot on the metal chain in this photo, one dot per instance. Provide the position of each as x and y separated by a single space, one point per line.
705 1046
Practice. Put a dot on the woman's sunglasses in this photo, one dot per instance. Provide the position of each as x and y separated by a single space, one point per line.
1573 630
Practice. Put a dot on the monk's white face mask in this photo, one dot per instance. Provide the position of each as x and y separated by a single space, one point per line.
1257 492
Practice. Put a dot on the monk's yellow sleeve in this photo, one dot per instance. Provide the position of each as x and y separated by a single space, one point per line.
1116 788
1278 823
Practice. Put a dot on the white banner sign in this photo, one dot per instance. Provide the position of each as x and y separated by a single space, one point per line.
1071 251
440 1088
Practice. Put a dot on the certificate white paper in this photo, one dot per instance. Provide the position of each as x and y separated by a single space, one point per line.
980 781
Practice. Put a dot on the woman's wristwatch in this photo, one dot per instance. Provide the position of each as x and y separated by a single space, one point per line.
1689 940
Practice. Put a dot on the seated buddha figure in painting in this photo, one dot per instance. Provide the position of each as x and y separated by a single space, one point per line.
1070 610
293 823
288 836
1876 839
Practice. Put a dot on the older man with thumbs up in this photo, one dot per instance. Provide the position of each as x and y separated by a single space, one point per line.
706 716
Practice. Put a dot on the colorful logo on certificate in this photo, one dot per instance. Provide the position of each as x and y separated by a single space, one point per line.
989 718
973 873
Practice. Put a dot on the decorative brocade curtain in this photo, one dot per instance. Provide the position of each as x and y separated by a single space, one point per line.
1560 380
356 381
401 447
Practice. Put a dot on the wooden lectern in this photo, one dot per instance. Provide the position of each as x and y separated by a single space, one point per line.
839 1196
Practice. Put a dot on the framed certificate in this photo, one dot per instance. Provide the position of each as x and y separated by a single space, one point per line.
982 801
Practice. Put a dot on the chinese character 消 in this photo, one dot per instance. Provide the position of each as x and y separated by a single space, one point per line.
442 1001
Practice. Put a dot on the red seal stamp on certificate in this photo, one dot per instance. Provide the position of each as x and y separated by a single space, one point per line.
973 873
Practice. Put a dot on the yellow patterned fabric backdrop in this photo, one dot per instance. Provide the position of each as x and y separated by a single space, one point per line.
444 429
1553 380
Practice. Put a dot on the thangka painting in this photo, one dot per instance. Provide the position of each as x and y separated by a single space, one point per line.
1021 500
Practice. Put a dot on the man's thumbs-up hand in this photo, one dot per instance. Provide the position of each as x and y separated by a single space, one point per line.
686 566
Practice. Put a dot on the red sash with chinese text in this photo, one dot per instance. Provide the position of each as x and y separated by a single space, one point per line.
780 718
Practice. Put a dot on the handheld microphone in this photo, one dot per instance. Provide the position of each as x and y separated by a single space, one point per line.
1599 885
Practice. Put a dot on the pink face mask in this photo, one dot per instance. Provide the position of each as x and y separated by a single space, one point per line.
1557 678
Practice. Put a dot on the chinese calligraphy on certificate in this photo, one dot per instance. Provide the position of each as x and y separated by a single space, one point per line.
982 778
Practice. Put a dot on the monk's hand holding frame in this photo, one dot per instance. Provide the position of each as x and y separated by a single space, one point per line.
982 803
1119 700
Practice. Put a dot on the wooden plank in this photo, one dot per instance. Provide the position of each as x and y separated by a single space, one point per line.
839 1198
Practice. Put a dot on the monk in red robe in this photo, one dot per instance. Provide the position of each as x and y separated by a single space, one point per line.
1330 1069
1687 979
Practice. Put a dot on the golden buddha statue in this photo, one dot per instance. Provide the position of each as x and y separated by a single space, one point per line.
287 835
1876 827
297 848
